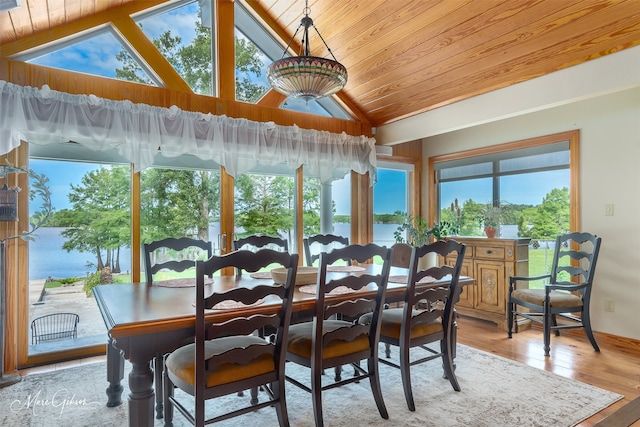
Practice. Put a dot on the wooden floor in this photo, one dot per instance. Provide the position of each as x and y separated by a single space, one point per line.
616 367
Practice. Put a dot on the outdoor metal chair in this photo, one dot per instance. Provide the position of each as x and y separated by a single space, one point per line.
54 327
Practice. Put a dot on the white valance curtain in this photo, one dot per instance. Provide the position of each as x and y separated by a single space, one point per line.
141 132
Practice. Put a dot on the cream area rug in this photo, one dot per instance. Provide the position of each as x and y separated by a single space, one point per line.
495 392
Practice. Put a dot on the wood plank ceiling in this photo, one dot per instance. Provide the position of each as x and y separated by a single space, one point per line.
406 57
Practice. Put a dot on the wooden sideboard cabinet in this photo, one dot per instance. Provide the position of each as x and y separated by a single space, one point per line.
491 262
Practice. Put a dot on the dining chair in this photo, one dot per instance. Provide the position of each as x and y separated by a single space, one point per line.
314 245
401 255
327 341
175 255
427 315
229 356
256 242
567 293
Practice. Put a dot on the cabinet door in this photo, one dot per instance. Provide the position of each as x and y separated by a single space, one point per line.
467 295
490 286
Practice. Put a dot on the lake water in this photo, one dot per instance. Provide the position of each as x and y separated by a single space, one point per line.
48 259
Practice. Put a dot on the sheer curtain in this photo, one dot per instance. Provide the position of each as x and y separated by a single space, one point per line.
141 132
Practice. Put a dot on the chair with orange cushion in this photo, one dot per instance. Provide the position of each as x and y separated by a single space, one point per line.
174 255
427 315
327 341
229 356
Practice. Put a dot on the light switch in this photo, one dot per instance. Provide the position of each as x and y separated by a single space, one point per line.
608 209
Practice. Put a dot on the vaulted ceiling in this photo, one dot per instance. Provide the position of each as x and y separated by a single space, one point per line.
404 57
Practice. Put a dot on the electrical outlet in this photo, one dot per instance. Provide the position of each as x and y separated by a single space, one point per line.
608 209
609 306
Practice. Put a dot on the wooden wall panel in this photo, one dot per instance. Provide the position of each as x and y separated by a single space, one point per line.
25 74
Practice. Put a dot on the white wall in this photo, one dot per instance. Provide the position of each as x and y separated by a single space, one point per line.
610 165
601 98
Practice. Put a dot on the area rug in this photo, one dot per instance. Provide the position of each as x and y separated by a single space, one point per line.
495 392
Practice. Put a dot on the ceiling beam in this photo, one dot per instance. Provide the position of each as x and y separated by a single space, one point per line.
145 50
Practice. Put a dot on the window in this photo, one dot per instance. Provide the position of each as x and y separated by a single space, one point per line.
390 201
264 204
85 243
272 50
532 181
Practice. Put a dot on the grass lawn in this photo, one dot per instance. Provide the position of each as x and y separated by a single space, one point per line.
539 263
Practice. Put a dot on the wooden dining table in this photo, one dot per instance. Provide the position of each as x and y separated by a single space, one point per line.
144 320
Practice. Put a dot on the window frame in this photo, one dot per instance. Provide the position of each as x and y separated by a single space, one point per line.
572 136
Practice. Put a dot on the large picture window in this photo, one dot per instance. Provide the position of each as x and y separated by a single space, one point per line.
532 184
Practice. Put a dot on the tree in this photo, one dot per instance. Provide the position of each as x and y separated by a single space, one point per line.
193 63
176 203
264 204
469 218
100 216
551 217
310 206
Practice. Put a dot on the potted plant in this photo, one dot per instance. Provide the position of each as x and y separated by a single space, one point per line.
490 219
419 232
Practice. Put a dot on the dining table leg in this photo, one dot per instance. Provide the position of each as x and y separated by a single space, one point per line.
142 397
115 374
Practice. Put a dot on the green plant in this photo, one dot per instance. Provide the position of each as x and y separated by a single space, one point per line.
490 216
419 232
91 282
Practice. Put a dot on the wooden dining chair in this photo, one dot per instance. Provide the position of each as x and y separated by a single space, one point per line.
229 356
427 315
327 341
316 244
175 255
256 242
567 293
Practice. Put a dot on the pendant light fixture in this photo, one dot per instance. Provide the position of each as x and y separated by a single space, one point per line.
305 76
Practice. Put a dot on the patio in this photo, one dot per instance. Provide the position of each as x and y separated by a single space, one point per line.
66 299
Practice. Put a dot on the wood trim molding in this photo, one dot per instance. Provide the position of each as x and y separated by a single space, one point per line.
26 74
